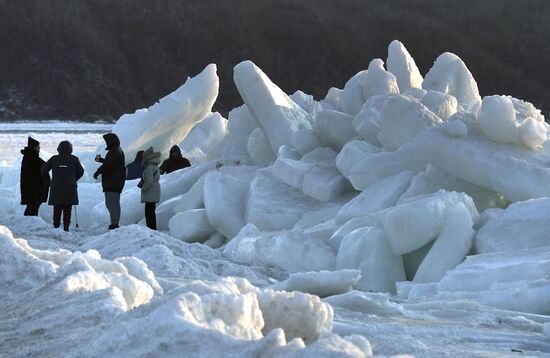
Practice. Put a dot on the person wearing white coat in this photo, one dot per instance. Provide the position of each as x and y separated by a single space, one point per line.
150 186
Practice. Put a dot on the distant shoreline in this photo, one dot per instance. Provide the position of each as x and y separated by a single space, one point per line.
50 120
44 126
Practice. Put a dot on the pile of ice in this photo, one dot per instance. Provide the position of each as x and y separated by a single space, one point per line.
393 178
57 293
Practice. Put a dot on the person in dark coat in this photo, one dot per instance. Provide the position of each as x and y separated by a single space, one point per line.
33 189
113 176
174 162
135 169
66 170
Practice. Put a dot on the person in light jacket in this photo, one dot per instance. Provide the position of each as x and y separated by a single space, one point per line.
150 186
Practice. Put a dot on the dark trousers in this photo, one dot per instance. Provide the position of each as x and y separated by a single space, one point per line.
32 209
66 210
150 216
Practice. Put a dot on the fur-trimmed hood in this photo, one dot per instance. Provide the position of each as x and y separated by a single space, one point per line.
150 157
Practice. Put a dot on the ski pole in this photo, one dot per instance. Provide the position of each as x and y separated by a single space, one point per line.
76 216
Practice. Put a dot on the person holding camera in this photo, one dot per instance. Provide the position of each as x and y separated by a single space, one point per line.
113 176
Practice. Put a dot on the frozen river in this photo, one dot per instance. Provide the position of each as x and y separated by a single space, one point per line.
13 137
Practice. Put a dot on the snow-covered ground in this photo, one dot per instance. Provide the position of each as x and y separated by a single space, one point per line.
399 215
60 299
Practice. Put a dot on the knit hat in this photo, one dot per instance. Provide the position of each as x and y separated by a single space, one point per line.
32 143
65 147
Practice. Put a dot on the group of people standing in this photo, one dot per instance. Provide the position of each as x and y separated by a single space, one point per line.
67 170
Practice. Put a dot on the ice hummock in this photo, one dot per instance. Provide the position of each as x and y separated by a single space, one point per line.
394 177
450 75
402 65
168 121
274 111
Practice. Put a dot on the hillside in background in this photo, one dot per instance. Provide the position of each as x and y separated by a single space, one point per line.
98 59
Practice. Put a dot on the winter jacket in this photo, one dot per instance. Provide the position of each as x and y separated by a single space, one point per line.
174 162
150 186
112 169
134 169
33 188
66 170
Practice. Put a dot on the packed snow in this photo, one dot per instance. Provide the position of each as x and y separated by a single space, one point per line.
401 214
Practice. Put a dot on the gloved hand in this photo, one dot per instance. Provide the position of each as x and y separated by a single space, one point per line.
96 174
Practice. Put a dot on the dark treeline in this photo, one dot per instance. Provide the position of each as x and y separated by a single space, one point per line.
92 59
